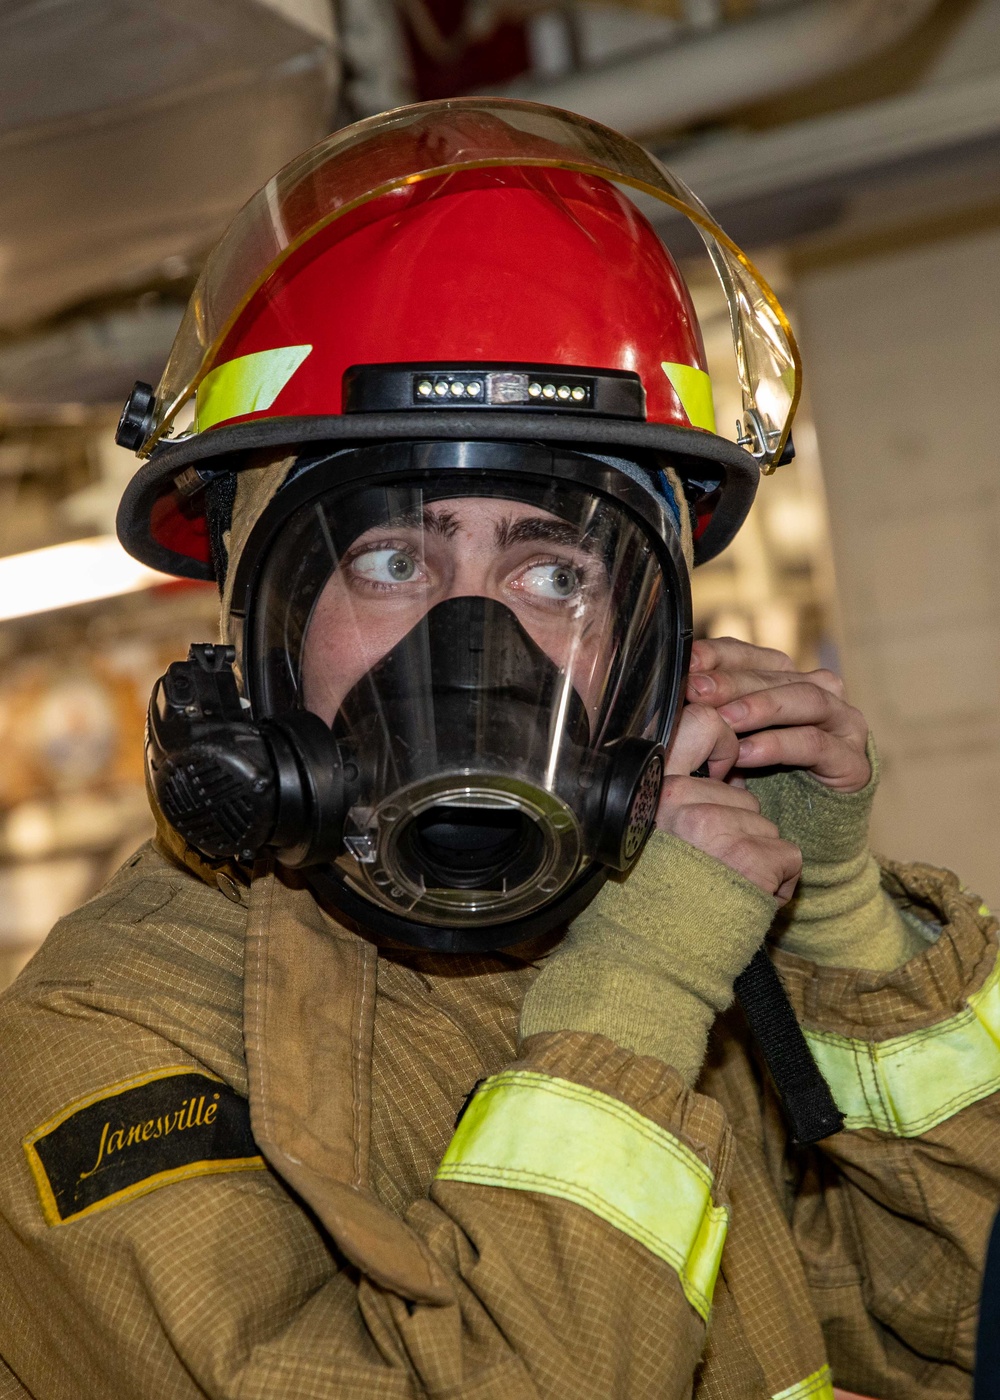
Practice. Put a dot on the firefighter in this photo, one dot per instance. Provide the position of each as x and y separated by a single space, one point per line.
404 1062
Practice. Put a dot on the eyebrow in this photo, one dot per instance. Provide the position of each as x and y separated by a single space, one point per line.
536 528
440 522
533 529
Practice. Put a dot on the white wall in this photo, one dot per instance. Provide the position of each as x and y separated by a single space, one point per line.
902 356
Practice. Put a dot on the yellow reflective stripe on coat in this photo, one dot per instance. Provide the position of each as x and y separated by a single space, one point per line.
694 389
246 385
818 1386
531 1132
911 1083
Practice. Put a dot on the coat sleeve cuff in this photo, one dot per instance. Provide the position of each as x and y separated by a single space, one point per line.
618 1135
643 1083
934 985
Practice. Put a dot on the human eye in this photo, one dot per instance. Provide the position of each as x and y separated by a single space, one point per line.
384 566
555 581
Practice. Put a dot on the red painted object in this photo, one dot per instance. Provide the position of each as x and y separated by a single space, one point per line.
513 264
499 263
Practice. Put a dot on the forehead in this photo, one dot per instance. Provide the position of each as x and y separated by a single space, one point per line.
485 519
467 512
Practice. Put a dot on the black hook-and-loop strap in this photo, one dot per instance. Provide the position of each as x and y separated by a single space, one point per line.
804 1093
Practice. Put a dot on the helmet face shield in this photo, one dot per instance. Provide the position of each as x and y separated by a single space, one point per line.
389 157
497 651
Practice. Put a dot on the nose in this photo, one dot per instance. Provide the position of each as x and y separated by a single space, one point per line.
471 576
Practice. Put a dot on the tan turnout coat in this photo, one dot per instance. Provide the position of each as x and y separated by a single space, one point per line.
334 1265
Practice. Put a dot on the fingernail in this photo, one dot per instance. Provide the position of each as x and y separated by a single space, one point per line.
747 748
702 685
736 710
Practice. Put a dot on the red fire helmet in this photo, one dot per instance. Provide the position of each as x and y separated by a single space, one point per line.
470 270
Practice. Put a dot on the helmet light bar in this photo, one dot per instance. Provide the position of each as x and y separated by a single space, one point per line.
603 393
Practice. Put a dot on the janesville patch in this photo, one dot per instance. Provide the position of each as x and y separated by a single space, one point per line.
135 1136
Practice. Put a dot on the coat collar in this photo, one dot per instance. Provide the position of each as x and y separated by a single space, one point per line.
308 1023
309 1014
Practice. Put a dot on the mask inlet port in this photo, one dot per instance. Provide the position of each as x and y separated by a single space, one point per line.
473 848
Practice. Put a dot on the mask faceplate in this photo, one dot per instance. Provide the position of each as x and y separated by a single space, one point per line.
494 636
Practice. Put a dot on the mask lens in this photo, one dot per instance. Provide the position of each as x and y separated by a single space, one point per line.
480 646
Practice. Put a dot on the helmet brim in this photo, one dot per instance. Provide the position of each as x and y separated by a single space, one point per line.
229 448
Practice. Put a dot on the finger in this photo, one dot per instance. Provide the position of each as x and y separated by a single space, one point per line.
786 889
726 653
721 687
712 827
680 791
795 704
702 736
746 842
834 761
772 865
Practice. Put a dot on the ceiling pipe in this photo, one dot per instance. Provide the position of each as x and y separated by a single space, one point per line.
743 62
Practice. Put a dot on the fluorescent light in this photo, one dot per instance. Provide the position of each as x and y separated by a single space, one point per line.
63 574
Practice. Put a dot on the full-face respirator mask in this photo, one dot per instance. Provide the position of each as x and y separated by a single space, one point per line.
453 670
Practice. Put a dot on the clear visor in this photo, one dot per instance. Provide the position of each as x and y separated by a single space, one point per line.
484 660
387 152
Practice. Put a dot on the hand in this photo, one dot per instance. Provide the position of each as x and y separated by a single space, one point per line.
720 818
802 750
789 719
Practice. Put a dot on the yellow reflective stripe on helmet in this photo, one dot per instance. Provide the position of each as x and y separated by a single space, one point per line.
910 1083
246 385
531 1132
694 389
818 1386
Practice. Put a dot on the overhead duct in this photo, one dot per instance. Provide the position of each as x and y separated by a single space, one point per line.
130 133
89 360
697 78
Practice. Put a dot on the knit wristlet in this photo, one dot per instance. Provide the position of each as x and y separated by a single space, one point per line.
839 916
651 962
